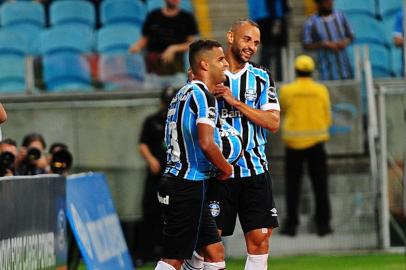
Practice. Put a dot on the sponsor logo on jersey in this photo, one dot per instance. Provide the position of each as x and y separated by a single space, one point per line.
212 114
214 208
250 94
163 200
230 113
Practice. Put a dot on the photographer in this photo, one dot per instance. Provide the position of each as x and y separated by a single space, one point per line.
30 158
8 153
59 158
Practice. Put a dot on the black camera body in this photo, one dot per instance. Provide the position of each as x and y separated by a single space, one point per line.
28 166
6 162
61 161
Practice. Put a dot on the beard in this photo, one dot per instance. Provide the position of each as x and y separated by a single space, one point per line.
237 54
325 11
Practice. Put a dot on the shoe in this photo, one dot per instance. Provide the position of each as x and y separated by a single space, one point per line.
289 231
324 230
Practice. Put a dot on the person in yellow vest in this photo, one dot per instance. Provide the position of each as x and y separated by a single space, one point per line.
305 106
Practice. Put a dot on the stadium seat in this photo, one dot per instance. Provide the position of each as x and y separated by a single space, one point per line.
130 12
155 4
387 8
380 61
25 18
121 71
73 12
116 38
65 38
396 61
367 30
351 7
12 74
12 62
66 71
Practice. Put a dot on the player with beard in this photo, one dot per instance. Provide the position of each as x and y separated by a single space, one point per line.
248 103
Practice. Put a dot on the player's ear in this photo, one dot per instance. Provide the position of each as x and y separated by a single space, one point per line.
204 65
230 37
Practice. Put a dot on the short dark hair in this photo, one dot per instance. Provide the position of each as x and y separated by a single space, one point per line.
200 45
8 141
32 137
57 145
240 22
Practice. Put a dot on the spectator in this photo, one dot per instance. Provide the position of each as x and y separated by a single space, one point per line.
166 33
307 117
274 34
329 33
30 158
153 150
398 30
8 153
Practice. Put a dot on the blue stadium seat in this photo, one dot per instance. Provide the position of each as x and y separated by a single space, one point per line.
122 12
388 8
367 30
351 7
13 13
380 61
396 61
154 4
65 38
12 62
116 38
25 18
66 71
73 12
12 74
121 71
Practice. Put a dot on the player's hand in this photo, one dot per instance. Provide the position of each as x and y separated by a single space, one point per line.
134 48
225 174
154 166
225 93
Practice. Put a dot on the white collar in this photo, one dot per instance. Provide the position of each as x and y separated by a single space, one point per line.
239 73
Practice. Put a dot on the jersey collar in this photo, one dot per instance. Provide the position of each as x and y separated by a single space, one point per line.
238 74
200 82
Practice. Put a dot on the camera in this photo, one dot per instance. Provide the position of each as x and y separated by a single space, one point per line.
6 163
61 161
28 165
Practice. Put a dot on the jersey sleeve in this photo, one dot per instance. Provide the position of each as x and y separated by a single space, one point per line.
268 99
205 108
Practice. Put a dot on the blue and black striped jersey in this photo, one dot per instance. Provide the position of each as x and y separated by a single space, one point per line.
231 142
193 104
253 86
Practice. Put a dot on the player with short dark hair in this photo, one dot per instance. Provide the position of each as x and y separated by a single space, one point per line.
192 158
250 105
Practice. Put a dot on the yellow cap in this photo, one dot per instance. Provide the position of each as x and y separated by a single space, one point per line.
304 63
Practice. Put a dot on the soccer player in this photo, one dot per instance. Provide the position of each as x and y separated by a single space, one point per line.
250 105
192 158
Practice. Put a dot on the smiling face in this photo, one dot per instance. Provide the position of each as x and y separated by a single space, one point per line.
217 65
243 40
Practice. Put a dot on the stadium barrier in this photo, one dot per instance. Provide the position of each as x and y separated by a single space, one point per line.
33 223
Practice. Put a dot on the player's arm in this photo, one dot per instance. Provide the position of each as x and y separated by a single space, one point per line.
268 119
205 133
3 114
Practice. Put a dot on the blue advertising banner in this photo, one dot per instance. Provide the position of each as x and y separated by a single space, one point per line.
95 224
32 222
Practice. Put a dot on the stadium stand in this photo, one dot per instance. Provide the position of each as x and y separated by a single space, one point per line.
73 12
12 63
64 66
25 18
117 68
122 12
388 8
364 7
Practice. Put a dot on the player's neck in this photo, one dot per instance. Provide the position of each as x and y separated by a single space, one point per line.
206 80
234 65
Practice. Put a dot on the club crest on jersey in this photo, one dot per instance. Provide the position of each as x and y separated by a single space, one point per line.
250 94
212 114
214 208
271 93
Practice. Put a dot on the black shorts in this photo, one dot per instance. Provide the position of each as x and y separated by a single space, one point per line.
249 197
188 224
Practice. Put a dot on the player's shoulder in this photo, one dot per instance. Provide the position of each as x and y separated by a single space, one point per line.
260 71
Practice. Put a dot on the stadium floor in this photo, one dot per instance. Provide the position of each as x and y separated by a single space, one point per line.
373 261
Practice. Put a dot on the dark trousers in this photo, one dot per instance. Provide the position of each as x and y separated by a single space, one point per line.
317 165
